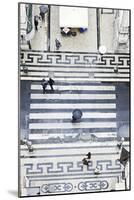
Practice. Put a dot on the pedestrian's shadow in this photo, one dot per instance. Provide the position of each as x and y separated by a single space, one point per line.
52 91
13 193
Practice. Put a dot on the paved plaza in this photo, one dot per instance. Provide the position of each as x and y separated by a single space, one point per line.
79 67
59 169
51 146
40 40
86 42
105 106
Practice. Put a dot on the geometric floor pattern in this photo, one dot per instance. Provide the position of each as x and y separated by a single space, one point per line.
76 67
86 82
58 169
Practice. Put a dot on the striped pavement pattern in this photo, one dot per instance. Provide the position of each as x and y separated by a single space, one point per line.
73 96
77 87
51 113
72 106
74 79
80 74
68 115
52 164
76 67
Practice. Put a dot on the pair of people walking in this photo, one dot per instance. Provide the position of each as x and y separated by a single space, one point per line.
87 160
45 83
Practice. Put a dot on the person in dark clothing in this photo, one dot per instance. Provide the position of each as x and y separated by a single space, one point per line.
25 69
43 10
42 16
88 155
29 44
87 160
36 23
51 82
58 44
76 115
44 85
116 69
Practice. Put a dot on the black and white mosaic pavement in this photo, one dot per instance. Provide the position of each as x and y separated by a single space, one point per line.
76 66
82 81
52 148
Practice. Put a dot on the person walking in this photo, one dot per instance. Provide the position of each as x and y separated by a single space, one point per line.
51 82
36 22
57 44
88 155
87 160
43 10
25 68
44 85
116 69
84 161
